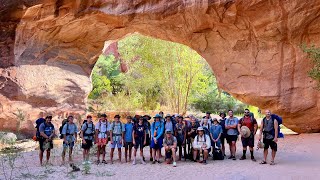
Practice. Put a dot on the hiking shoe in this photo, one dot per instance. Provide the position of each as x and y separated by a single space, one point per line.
134 162
159 161
97 162
204 162
143 162
174 164
234 158
253 159
151 159
230 157
153 162
84 162
243 158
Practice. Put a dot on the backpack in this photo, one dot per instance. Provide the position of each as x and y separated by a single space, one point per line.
217 154
114 123
173 126
87 126
65 121
38 123
279 119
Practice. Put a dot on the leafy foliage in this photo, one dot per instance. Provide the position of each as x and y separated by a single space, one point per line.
314 55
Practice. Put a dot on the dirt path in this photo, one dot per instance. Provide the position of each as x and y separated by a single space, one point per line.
298 158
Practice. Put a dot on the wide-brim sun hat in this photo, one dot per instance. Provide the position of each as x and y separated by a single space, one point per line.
157 116
168 131
260 144
200 129
245 132
168 115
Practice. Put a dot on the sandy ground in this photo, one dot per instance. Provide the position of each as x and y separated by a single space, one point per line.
298 158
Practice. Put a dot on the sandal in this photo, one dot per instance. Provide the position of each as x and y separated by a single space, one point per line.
104 162
97 162
263 162
272 163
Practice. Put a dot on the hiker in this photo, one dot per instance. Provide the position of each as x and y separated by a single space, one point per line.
128 138
181 135
269 129
201 145
232 133
247 140
206 126
170 147
157 138
208 117
168 124
69 133
47 134
116 136
224 131
101 138
146 119
191 134
87 136
139 137
215 134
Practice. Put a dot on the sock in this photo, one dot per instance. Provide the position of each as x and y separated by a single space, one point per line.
244 153
251 152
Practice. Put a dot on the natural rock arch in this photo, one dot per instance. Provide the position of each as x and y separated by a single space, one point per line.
49 47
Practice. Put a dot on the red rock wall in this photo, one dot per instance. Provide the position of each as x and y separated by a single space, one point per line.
48 49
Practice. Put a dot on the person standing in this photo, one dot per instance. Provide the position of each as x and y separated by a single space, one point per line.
181 134
101 138
87 136
47 133
69 132
128 138
216 131
269 130
139 137
191 134
250 122
232 133
224 131
116 136
157 138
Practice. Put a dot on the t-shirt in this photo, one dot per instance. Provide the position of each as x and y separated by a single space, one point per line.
103 128
128 132
139 130
215 131
246 121
88 128
168 125
223 125
194 127
199 141
48 129
117 128
181 129
230 122
206 129
169 141
70 129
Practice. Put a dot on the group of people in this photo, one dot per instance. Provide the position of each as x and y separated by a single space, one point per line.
195 138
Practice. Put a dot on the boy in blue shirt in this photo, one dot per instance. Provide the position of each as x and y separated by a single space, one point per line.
157 138
215 133
128 138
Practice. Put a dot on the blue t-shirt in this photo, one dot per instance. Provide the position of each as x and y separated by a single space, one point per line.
48 129
69 129
230 122
128 132
168 126
215 131
139 130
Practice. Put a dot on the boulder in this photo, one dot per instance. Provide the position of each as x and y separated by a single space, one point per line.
48 49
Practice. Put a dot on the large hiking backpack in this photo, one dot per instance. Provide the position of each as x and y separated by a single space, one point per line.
87 126
65 121
279 119
217 154
38 123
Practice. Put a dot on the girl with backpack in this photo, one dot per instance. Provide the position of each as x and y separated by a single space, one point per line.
101 138
87 136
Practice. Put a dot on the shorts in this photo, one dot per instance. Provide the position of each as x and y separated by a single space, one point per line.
42 145
218 143
70 145
102 141
169 154
139 143
269 142
116 144
248 142
158 145
128 145
148 140
88 144
222 138
209 149
231 138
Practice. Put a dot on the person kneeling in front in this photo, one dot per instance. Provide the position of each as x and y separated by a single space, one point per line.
170 147
201 145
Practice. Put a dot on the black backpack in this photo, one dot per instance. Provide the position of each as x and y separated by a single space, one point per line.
87 126
61 127
217 154
38 123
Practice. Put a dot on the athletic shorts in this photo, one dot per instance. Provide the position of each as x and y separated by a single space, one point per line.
158 145
70 144
269 142
222 138
128 145
115 144
102 141
248 142
139 142
209 150
231 138
42 145
88 144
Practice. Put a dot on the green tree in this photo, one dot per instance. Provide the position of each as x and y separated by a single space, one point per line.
314 55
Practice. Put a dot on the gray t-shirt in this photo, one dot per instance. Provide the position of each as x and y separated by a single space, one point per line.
169 125
230 122
117 130
268 128
70 129
169 142
88 128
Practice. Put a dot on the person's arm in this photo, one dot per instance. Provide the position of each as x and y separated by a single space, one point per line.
52 134
111 132
226 124
255 126
185 135
75 133
82 132
64 132
195 144
145 137
161 131
122 134
133 139
97 132
208 142
261 129
276 130
220 132
239 125
41 130
164 143
152 130
175 142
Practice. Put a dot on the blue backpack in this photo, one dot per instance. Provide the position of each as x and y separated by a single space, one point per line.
279 119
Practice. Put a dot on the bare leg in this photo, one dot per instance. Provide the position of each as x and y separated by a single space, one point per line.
48 155
63 155
233 148
40 156
195 153
174 154
119 154
273 155
70 154
103 152
158 154
111 155
130 153
154 154
126 153
98 153
265 154
205 154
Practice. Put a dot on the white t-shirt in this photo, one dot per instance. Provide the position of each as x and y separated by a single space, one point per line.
103 128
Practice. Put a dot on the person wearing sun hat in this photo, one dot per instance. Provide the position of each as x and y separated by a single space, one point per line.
247 127
157 138
168 124
202 145
215 133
